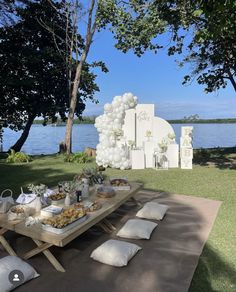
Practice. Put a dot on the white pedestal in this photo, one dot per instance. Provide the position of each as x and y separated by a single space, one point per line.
137 159
129 125
172 154
148 152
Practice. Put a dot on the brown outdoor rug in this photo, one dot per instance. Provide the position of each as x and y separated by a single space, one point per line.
166 262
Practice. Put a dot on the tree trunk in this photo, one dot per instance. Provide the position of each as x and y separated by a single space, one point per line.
73 98
20 142
233 82
73 101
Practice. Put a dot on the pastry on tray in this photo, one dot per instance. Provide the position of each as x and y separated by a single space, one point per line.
17 212
119 182
95 206
57 197
89 206
65 218
105 192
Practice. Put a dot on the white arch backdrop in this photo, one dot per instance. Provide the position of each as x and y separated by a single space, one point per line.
125 123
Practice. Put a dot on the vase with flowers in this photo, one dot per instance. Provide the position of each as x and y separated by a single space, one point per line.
39 191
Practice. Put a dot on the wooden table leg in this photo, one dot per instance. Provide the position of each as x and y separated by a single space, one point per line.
105 227
136 202
109 225
43 247
4 242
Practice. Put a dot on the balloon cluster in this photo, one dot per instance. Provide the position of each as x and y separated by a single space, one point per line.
109 126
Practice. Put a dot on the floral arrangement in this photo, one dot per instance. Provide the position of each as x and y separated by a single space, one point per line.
171 136
94 176
148 134
131 144
118 133
39 190
163 146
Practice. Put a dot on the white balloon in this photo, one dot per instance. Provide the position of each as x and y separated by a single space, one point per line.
131 104
109 153
107 107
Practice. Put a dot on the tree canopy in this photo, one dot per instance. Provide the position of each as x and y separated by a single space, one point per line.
203 32
33 77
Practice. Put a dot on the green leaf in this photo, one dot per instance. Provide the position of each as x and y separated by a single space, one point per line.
197 12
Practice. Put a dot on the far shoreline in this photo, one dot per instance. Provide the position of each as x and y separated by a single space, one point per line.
91 121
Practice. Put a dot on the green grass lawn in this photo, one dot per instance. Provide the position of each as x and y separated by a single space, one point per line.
216 270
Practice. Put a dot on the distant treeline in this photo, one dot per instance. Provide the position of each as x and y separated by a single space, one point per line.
203 121
91 120
84 120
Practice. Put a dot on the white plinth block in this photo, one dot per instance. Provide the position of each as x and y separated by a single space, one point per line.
185 142
137 159
129 126
148 152
144 122
186 153
172 154
186 163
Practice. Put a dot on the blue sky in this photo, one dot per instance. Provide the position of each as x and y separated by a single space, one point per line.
154 79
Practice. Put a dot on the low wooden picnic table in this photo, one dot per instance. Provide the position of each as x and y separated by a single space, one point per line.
45 239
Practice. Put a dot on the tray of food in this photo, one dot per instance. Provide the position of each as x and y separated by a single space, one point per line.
57 199
120 184
65 221
89 206
105 192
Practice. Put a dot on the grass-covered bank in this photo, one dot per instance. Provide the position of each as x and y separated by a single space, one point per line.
213 177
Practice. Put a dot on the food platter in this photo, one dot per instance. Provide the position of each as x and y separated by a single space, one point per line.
57 199
64 221
105 192
49 228
120 184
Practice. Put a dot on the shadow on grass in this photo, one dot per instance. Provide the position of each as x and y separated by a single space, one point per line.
15 175
222 158
211 265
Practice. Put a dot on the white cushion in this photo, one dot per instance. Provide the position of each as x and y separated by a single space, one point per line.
115 253
153 210
137 229
10 263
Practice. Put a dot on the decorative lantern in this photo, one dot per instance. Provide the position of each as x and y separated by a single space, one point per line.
164 164
155 163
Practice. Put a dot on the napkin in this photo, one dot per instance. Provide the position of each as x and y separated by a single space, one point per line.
25 198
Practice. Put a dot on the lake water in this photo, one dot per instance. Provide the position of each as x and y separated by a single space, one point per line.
45 140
